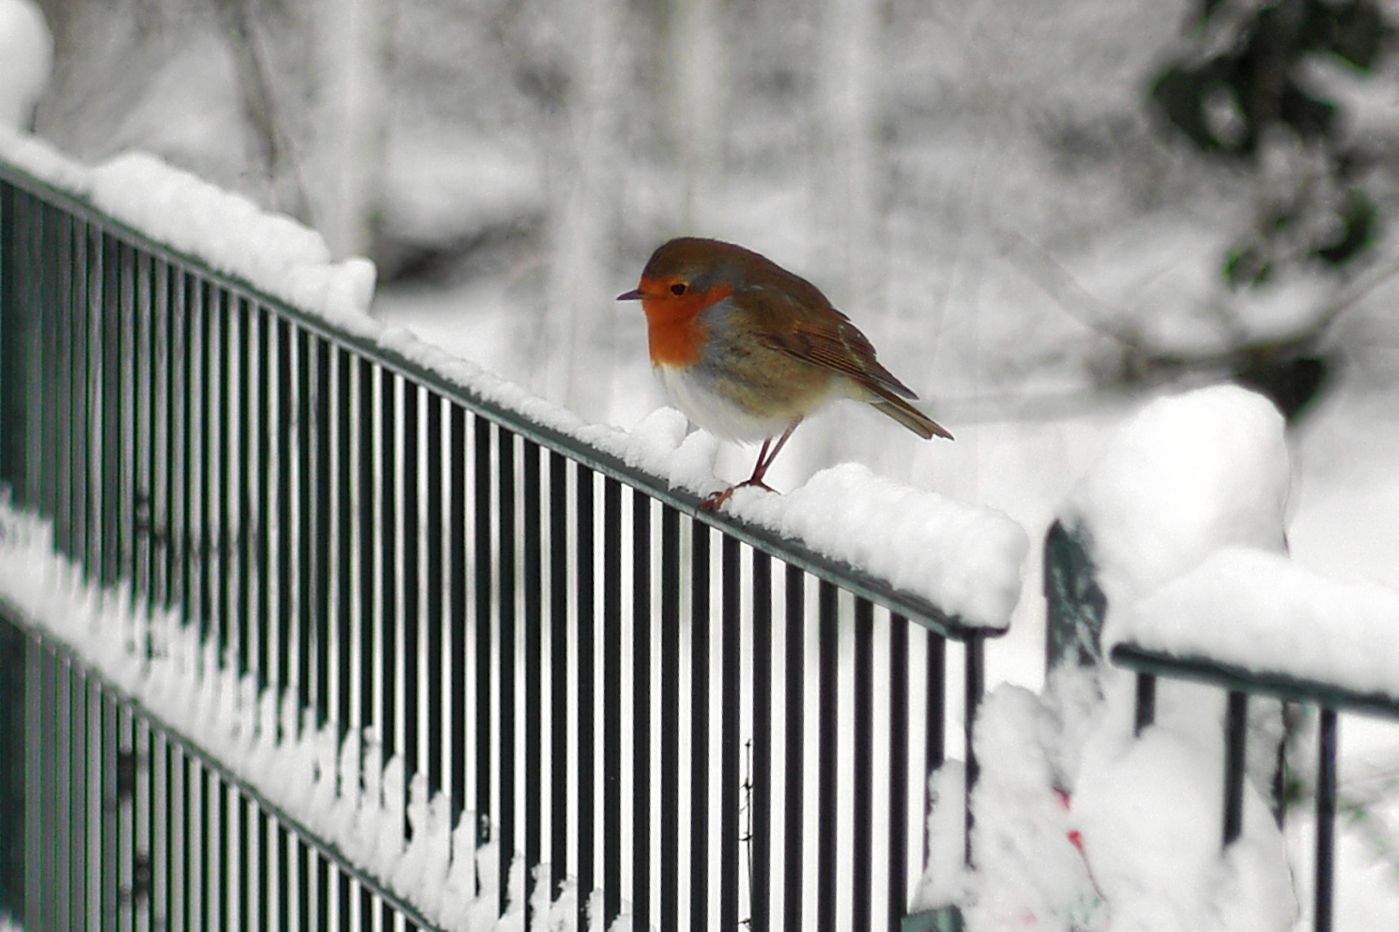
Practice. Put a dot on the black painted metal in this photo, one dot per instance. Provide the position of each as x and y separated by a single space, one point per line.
1330 698
827 774
974 682
648 710
1145 713
1255 682
1327 745
794 804
1235 746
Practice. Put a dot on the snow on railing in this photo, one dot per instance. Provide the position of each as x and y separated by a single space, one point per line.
482 660
1255 623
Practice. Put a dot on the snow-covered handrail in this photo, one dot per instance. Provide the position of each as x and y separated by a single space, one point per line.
1253 622
1257 621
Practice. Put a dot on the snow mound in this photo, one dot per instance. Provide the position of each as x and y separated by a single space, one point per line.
965 559
233 235
1263 612
1188 474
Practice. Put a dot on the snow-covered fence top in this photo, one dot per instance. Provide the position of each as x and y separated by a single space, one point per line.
1256 621
495 658
944 563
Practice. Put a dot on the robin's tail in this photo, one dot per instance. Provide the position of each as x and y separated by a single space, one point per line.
907 415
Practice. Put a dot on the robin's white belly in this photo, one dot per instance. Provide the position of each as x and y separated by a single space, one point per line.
690 391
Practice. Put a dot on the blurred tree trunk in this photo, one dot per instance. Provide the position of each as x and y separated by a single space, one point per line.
268 131
700 88
351 42
849 172
584 186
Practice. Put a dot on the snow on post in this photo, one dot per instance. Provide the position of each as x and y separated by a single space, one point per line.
1078 822
1187 475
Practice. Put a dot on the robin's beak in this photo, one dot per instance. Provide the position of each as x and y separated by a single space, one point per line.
630 296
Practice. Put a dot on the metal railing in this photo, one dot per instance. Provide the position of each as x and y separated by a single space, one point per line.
1240 683
709 724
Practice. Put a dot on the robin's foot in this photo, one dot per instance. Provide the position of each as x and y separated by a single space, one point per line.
717 499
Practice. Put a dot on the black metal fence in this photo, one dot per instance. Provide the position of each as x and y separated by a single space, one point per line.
1240 683
708 724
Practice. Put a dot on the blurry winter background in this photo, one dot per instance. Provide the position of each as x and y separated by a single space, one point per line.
1039 213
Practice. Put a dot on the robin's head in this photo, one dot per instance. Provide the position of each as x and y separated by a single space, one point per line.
689 274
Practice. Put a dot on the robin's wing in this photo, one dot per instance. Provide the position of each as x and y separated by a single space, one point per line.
817 333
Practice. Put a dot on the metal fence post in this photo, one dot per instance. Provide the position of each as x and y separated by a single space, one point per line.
12 758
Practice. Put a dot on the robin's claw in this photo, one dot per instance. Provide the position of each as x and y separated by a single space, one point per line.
717 499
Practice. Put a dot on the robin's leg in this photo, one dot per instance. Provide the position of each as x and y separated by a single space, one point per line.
760 469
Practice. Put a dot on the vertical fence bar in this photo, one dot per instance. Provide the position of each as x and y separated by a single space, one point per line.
669 866
109 401
212 583
411 664
795 688
81 392
13 390
974 685
1145 706
1326 781
862 879
67 754
364 450
484 803
508 656
125 382
534 787
899 660
641 709
389 622
827 768
731 736
699 728
1236 724
457 605
61 378
612 700
935 729
310 539
145 443
31 900
558 659
344 540
760 813
323 476
583 504
440 685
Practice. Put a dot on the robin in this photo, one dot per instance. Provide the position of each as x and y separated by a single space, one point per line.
747 349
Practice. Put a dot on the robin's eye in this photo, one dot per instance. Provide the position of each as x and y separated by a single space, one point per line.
678 289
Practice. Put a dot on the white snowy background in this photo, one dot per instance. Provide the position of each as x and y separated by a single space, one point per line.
977 184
